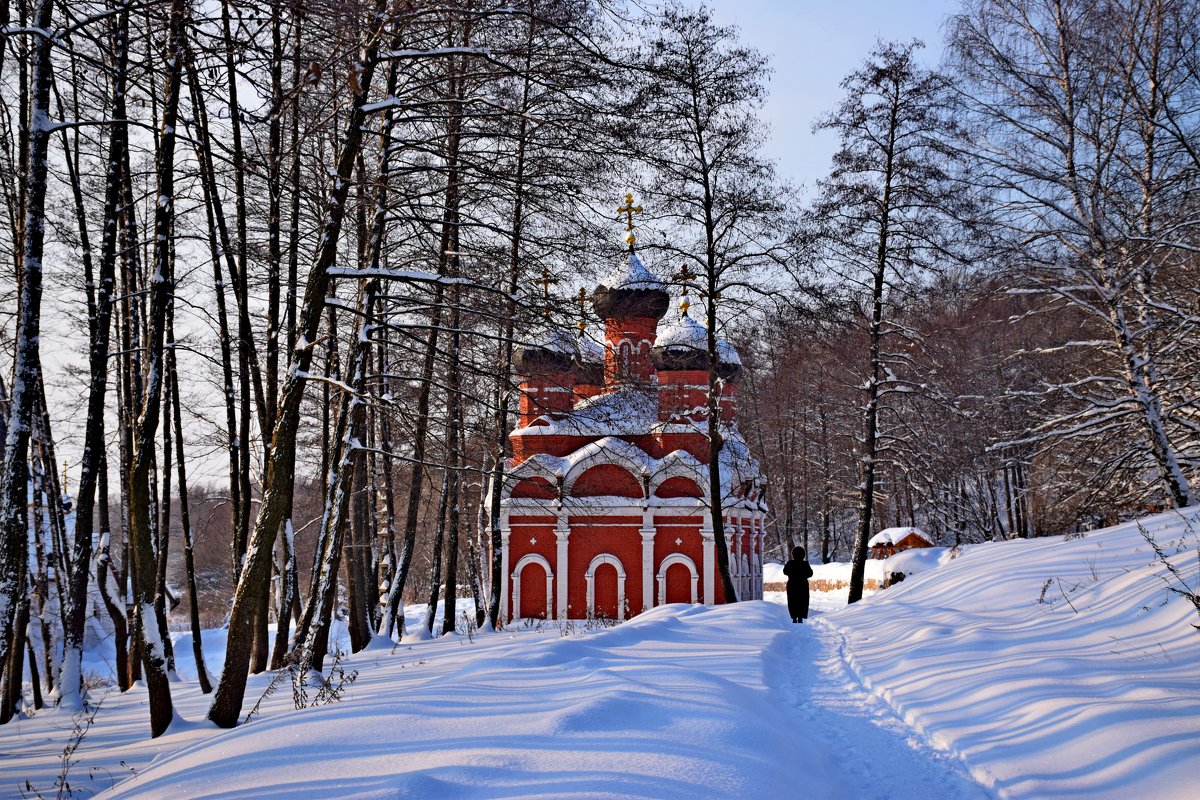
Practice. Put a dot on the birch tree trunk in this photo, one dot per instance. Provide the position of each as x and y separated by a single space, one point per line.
14 525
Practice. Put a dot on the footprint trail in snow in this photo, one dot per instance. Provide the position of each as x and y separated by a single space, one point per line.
876 754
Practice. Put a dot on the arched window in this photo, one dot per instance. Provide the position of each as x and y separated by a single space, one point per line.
624 357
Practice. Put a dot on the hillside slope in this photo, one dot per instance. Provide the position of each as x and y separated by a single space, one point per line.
1052 667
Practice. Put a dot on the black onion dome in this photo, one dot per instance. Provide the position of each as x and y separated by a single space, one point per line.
550 350
631 290
590 363
684 346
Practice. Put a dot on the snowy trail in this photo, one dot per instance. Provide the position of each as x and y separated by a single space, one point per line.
879 756
684 701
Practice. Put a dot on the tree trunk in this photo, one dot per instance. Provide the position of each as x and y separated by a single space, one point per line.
139 477
100 307
14 525
277 485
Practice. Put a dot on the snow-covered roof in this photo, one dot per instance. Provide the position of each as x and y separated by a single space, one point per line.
609 450
897 535
632 274
554 339
590 351
627 411
685 332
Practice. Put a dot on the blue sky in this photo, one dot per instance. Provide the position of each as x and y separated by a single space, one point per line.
813 45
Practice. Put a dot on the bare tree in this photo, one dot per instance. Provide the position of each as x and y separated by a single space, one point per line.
881 219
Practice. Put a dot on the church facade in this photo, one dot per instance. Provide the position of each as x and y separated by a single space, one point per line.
605 509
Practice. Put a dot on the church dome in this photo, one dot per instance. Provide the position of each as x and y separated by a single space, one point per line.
590 360
683 345
630 290
549 349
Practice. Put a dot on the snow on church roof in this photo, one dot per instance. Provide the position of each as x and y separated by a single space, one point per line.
897 535
627 411
590 351
554 339
632 274
685 332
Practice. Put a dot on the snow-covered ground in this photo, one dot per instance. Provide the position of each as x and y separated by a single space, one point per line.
1051 667
966 680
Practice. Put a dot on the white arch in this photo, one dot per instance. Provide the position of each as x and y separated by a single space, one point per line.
756 575
667 563
537 466
608 450
744 570
678 464
532 558
590 578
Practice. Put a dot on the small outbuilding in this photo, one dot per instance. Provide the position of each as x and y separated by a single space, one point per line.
890 541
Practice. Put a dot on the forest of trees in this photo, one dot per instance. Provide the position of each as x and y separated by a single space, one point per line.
265 263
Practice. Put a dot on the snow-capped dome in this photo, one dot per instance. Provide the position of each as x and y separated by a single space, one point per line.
684 345
548 349
630 290
590 351
632 274
591 360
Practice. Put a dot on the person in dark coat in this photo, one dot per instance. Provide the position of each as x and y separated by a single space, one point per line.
798 571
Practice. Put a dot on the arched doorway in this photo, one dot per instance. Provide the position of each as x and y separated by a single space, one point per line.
677 580
532 587
606 587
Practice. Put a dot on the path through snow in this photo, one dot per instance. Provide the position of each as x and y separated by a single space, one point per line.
684 701
882 757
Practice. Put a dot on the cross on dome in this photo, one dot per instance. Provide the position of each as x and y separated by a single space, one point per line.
629 209
582 299
546 282
684 276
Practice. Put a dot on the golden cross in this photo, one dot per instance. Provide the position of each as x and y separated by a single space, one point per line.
546 282
684 275
582 298
629 209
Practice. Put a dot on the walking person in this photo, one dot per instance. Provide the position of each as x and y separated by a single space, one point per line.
798 571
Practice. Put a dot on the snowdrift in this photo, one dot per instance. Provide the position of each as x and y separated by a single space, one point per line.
672 704
1052 667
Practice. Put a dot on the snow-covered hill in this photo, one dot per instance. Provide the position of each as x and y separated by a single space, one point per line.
1024 669
1052 667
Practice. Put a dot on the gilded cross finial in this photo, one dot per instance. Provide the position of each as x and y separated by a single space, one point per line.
684 276
629 209
583 299
546 281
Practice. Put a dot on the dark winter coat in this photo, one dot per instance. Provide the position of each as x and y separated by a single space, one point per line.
798 573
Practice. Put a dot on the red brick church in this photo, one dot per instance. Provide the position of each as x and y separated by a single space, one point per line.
605 510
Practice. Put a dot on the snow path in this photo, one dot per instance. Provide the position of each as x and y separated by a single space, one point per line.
684 701
879 755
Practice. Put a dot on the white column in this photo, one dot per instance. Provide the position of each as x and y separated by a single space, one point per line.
647 532
762 540
562 532
505 533
735 557
710 550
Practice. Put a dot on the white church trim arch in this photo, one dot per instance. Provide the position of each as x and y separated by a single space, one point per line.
532 558
667 563
590 577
